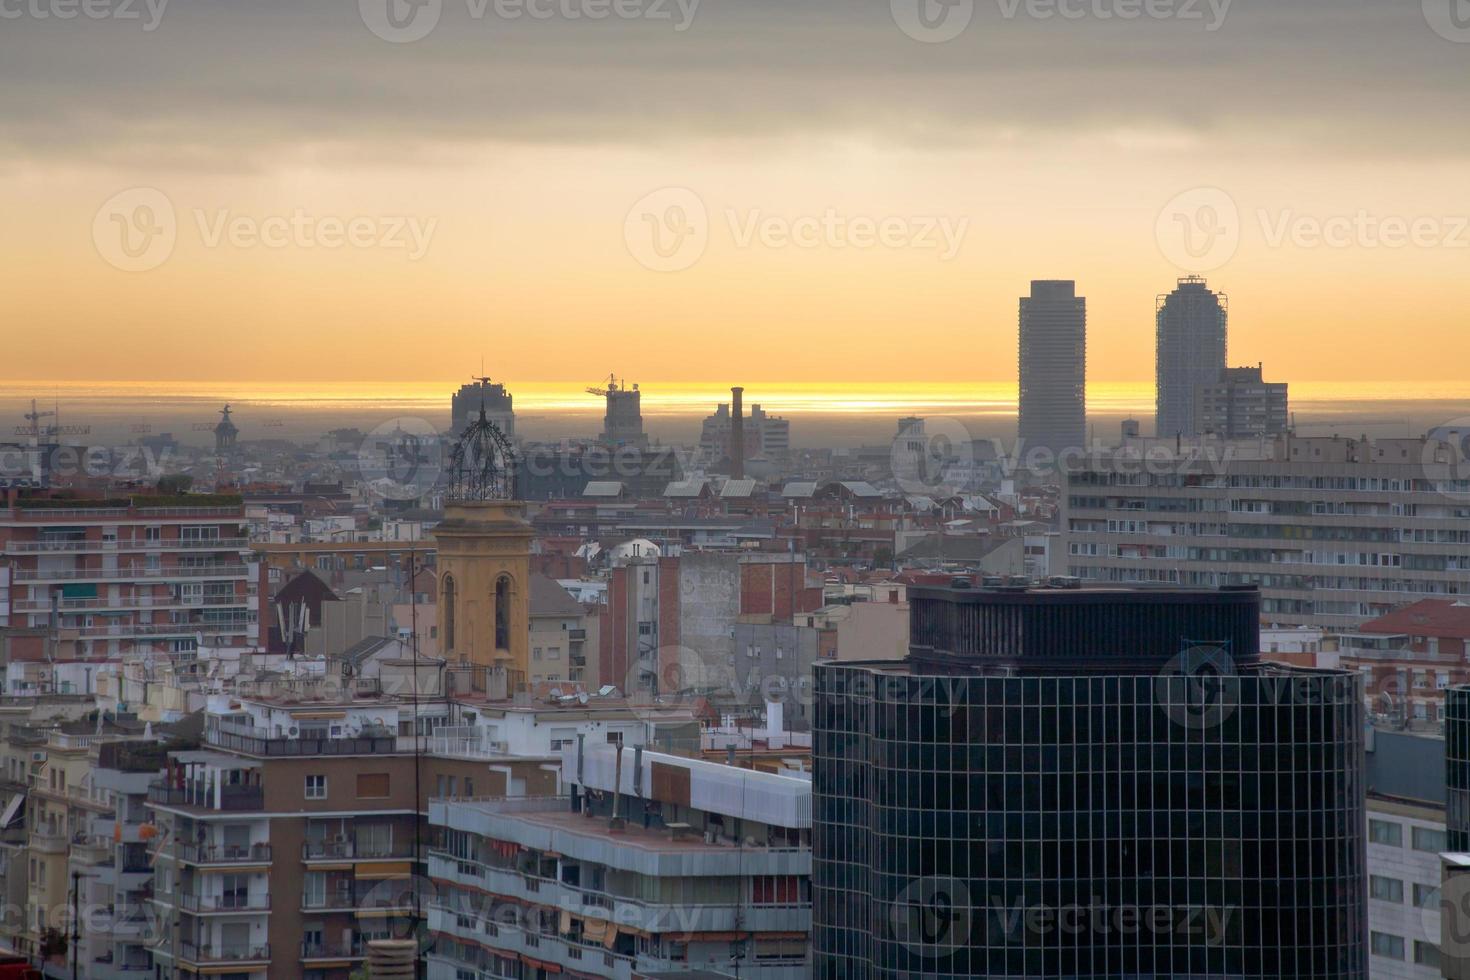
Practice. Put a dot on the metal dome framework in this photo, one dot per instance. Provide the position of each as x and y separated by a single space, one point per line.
482 463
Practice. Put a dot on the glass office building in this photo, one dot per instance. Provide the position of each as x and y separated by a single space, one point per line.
1070 783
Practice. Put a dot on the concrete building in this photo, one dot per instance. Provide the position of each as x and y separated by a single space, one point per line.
464 406
1240 404
1053 353
1334 531
622 422
1191 324
130 574
558 636
1406 833
649 865
1410 658
765 436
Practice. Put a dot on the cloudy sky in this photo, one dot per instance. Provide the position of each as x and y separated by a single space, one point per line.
825 190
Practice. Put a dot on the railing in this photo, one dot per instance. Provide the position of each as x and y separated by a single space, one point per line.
131 602
232 628
167 572
363 895
232 798
225 952
316 850
282 746
356 949
223 854
224 903
166 544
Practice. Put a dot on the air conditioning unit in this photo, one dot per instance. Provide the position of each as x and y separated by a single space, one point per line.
38 756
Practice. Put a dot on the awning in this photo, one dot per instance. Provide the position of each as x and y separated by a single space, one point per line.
318 715
236 869
540 964
390 869
11 809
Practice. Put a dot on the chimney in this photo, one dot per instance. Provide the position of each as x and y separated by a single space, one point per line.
737 434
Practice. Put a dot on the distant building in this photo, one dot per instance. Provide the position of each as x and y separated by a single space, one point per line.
1239 404
622 423
1053 353
225 432
499 408
1189 352
767 436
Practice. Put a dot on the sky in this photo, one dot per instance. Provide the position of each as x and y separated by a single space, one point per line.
825 191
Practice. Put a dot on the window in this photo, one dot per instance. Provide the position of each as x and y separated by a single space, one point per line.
1384 832
1386 944
1429 840
502 613
1426 953
448 612
316 787
1426 896
1385 889
374 785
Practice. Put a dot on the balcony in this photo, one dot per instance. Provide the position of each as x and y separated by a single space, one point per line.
386 895
49 841
109 574
356 949
111 547
233 628
327 850
255 741
231 798
225 953
131 603
207 854
223 904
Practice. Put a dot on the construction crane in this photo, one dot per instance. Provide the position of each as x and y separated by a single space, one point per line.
35 430
613 386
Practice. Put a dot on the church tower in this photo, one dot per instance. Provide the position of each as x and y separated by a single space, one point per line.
484 556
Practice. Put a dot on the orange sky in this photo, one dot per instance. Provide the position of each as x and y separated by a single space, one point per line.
529 263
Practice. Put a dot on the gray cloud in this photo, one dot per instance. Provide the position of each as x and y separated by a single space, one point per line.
222 84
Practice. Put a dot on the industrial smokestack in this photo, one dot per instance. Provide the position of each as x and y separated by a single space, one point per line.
737 434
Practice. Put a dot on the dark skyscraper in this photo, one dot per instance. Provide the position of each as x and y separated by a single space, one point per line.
1189 352
1087 783
1053 342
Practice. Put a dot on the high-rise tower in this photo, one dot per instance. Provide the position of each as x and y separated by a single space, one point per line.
1190 351
1053 367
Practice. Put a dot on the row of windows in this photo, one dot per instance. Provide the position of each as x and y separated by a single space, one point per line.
370 786
1392 834
1389 946
1387 889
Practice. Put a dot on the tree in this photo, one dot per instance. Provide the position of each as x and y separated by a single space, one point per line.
175 483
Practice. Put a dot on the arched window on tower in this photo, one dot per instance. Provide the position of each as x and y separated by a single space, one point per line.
502 613
448 612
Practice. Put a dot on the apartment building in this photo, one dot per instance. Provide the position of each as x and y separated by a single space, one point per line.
1410 658
117 575
289 839
648 865
1334 531
1406 833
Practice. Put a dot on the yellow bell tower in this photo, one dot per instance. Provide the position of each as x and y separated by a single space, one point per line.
484 557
